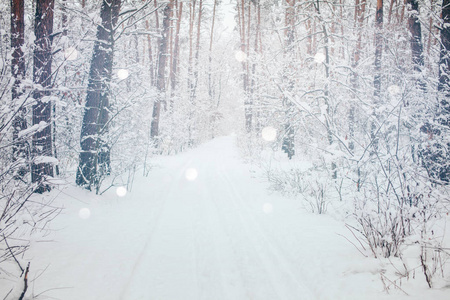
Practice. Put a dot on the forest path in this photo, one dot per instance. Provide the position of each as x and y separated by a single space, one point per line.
219 235
208 241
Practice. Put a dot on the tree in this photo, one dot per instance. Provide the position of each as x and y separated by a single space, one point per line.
94 161
360 10
244 34
160 80
441 157
176 49
444 64
290 19
378 49
18 73
42 109
416 34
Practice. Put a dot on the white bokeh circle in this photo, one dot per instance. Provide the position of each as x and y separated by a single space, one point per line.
71 53
121 191
191 174
269 133
123 73
84 213
319 57
240 56
394 90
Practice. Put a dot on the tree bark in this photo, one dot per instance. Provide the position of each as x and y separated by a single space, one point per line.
378 50
161 78
244 50
416 35
444 59
191 48
42 110
442 157
94 156
18 73
210 83
288 139
360 9
176 50
197 51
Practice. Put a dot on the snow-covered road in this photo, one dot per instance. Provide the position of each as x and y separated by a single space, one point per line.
200 226
208 242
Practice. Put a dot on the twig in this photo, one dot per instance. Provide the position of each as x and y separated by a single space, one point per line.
53 289
12 254
383 277
352 244
25 280
8 294
425 271
349 228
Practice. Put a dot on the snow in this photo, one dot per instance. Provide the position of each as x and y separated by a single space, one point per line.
45 160
33 129
220 236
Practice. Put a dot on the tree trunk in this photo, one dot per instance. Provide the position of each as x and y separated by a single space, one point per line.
160 80
176 50
378 50
150 55
442 158
244 51
360 9
416 35
191 48
444 59
42 110
210 83
288 139
197 52
94 156
18 73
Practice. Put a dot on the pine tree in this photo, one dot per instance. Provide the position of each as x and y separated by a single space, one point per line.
42 109
162 62
18 73
94 162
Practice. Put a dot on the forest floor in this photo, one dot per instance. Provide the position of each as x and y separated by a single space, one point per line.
201 226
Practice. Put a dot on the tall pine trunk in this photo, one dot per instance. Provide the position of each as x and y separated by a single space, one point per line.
377 77
288 139
95 153
18 74
416 35
42 109
176 50
378 50
360 9
442 157
161 78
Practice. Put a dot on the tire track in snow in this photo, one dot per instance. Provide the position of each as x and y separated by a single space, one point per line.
271 255
170 190
208 273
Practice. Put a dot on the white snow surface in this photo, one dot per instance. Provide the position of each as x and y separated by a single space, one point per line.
221 235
